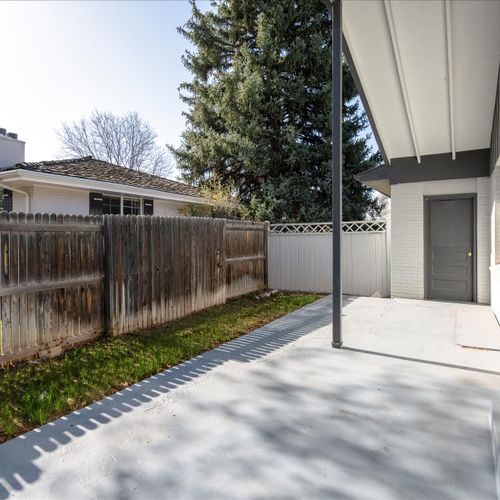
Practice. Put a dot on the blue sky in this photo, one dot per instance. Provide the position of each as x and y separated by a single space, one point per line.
61 60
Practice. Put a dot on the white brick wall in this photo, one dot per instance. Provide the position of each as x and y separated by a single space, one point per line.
407 237
495 203
495 241
483 240
407 212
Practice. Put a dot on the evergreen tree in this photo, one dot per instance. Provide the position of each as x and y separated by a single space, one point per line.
259 110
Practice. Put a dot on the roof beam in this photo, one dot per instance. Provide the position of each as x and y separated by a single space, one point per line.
449 48
402 80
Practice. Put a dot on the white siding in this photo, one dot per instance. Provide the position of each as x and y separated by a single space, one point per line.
59 200
167 208
76 201
18 202
407 211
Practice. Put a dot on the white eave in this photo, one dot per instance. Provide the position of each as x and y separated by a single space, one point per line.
21 176
428 71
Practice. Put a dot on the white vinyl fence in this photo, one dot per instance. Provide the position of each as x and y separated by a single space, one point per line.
300 257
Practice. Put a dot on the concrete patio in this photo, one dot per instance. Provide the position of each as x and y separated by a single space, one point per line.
401 412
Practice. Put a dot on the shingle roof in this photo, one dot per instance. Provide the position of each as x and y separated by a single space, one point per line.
98 170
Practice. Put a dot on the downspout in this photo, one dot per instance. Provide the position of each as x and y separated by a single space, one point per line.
24 193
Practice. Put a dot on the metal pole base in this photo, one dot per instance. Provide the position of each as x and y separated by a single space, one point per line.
337 345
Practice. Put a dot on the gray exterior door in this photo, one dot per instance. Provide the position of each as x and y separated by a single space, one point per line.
450 249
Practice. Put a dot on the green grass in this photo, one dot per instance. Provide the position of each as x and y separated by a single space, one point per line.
34 394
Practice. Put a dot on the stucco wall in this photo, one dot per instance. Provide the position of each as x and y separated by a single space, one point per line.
407 211
11 151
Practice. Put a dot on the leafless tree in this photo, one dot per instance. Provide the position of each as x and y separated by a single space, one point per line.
380 208
125 140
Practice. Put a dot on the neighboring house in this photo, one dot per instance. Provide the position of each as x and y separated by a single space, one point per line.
85 186
428 75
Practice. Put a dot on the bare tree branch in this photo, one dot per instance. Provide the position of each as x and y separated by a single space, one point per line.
125 140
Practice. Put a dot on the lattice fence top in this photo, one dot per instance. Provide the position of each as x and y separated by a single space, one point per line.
362 226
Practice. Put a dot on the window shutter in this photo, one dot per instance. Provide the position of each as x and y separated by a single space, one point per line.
148 207
95 204
7 200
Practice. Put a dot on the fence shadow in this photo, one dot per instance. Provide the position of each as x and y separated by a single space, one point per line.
18 456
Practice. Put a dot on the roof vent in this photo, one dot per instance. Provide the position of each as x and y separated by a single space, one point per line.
3 131
12 135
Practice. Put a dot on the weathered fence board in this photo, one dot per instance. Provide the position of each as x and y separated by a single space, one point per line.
159 269
246 253
67 279
162 268
50 283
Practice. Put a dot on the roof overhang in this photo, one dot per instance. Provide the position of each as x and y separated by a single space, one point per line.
436 167
23 177
426 71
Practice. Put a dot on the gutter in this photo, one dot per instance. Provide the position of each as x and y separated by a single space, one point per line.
24 193
70 182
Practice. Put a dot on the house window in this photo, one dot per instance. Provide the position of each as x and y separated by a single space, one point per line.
6 200
148 207
111 205
103 204
131 206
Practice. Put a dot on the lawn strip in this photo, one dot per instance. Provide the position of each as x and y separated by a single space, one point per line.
34 394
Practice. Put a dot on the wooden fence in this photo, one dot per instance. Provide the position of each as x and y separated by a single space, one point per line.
161 269
50 283
68 279
246 252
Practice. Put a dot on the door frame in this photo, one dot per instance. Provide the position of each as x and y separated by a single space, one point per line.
427 226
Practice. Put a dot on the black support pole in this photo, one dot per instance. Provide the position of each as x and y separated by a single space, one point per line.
337 172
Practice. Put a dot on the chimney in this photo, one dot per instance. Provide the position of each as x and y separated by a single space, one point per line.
11 149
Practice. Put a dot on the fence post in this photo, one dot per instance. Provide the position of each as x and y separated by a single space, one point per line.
108 280
224 258
266 254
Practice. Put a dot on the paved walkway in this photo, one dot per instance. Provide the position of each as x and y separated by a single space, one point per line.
402 412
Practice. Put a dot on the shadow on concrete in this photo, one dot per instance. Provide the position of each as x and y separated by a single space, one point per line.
423 361
18 456
324 424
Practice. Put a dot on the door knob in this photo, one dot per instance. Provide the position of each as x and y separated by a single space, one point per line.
469 253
